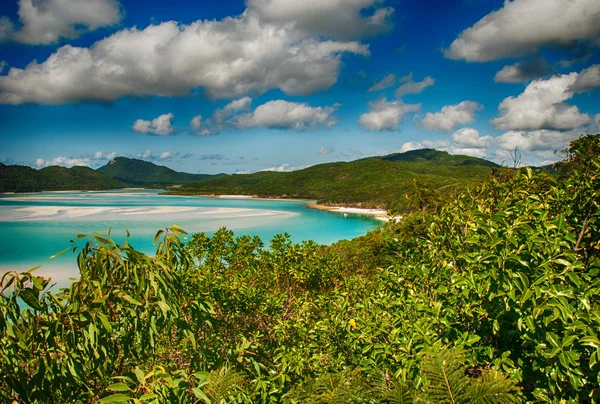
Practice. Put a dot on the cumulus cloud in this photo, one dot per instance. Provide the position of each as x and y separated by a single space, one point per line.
99 155
48 21
425 144
384 115
469 142
450 116
145 155
228 58
167 155
63 161
414 87
326 150
285 168
160 126
537 140
587 80
93 160
523 71
280 114
218 121
339 19
388 81
521 27
542 106
6 28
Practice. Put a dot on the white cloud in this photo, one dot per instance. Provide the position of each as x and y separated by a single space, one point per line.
384 115
93 160
425 144
467 141
414 87
6 28
340 19
595 125
388 81
160 126
46 22
450 116
326 150
521 27
99 155
218 121
63 161
145 155
167 155
542 106
587 80
280 114
536 140
229 58
523 71
285 168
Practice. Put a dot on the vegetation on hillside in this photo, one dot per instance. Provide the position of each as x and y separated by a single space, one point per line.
139 172
379 182
490 297
54 178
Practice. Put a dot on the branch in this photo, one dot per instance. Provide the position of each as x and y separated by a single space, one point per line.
583 229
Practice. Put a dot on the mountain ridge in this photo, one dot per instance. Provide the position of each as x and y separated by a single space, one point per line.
139 172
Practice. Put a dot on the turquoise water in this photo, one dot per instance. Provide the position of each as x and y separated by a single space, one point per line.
33 227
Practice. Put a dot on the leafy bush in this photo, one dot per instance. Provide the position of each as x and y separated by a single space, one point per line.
460 302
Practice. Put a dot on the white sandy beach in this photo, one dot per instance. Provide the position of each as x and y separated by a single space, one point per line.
54 213
379 214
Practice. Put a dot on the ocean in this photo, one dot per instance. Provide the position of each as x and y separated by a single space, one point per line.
34 227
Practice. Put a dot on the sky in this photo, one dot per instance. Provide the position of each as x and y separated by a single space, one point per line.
244 86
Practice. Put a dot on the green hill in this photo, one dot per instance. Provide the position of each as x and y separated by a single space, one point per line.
139 172
371 182
17 178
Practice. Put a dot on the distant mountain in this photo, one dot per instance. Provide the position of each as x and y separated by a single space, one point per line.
17 178
139 172
370 182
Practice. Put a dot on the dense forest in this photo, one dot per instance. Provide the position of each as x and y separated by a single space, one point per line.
17 178
374 182
491 296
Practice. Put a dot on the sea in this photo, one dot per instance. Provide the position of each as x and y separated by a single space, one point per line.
35 227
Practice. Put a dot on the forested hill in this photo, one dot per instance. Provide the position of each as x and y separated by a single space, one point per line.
17 178
139 172
371 182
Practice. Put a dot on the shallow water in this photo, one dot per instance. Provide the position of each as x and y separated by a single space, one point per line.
33 227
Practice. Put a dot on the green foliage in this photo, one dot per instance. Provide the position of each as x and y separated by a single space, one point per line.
54 178
139 172
464 300
371 182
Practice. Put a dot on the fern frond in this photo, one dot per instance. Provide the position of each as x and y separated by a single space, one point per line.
400 394
493 388
222 384
445 374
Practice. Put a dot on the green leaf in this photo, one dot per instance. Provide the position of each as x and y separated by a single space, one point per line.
60 253
115 398
140 376
552 339
119 387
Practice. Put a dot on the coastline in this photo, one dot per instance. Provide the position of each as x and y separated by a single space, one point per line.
379 214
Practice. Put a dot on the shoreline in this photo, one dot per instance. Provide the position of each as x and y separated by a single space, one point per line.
379 214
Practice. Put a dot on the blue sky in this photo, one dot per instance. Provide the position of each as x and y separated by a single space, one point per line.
236 86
